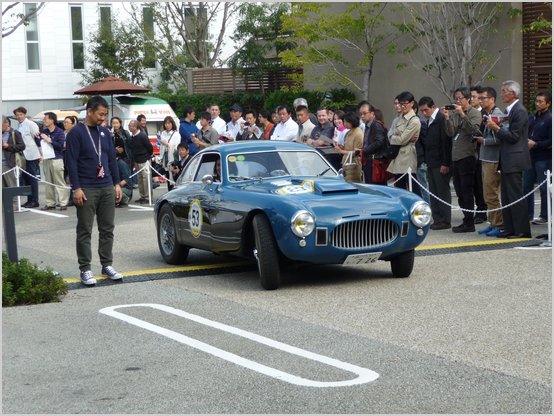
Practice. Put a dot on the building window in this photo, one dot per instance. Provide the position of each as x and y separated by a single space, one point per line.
106 17
77 39
148 21
31 39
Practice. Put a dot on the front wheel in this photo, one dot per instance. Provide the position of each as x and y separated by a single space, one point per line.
171 250
403 264
266 253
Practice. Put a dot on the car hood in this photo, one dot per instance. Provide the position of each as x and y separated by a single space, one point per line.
330 197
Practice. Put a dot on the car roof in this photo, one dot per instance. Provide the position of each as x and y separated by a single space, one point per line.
258 146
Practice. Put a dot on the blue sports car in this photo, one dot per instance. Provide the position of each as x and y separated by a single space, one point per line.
281 203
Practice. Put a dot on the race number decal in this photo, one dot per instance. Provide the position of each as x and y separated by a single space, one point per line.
195 218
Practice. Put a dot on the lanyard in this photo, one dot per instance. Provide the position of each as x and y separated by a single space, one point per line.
99 150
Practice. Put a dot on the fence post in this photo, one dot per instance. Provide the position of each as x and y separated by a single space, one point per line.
409 173
549 204
149 173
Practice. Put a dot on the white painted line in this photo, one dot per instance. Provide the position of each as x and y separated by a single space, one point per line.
36 211
140 208
533 248
364 375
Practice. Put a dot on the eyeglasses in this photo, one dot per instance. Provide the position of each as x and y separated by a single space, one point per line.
456 99
404 104
481 98
363 113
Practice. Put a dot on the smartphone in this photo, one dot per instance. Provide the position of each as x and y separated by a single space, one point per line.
450 107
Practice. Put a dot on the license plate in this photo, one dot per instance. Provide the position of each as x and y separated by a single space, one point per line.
368 258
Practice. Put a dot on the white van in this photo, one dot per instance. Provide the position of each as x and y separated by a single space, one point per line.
128 107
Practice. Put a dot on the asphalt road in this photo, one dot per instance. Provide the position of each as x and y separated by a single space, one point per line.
467 332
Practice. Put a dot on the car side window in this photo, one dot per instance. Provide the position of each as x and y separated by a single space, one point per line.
190 171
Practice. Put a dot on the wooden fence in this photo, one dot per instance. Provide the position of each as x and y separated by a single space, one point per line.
221 81
537 61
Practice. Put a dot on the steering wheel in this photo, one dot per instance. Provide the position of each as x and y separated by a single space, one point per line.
278 172
303 167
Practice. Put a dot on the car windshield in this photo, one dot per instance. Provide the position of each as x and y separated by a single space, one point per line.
247 166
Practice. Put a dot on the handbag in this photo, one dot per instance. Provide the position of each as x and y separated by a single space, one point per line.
352 169
19 158
380 172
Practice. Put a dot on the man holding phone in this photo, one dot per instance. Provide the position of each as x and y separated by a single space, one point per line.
460 127
489 154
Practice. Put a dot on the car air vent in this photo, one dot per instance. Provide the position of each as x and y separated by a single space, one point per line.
364 234
321 236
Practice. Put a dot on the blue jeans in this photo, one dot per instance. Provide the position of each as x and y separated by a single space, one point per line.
422 179
536 174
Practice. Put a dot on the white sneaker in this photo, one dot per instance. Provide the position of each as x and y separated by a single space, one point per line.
111 273
88 278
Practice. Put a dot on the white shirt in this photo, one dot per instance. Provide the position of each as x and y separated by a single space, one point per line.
432 118
28 131
509 108
219 125
286 132
173 139
234 129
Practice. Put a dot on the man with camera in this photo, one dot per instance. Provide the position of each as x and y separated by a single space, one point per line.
460 127
489 153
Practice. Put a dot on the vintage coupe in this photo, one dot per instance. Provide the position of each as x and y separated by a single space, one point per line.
282 203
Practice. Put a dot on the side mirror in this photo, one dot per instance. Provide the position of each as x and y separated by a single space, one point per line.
342 172
207 180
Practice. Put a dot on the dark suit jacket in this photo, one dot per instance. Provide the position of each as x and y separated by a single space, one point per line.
142 147
438 145
12 149
514 148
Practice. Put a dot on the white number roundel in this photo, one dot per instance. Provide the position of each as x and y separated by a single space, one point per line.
195 218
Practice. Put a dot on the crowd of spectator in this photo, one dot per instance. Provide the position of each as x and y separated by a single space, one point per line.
493 157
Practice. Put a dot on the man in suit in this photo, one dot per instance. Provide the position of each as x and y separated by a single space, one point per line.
248 129
143 152
438 157
514 159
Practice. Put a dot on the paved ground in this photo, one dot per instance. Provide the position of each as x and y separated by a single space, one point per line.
468 332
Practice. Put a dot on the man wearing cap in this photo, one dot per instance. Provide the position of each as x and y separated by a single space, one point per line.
233 127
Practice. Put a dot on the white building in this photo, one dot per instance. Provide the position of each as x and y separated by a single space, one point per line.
42 63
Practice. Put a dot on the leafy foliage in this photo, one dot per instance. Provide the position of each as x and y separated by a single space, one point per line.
26 283
115 50
543 26
452 38
257 32
337 47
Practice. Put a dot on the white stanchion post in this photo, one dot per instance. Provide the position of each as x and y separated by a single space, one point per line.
17 175
149 173
409 178
549 204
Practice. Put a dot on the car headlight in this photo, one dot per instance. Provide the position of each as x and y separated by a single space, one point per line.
302 223
420 214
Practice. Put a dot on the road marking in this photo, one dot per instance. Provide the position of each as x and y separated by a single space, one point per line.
477 243
140 208
364 375
36 211
169 270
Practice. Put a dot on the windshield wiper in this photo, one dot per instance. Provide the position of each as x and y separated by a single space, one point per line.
325 171
242 178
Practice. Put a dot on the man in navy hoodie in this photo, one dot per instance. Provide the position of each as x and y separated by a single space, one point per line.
94 177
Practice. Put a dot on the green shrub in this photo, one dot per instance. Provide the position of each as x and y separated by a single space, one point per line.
340 97
26 283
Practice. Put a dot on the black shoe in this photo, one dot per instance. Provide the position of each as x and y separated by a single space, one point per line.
522 235
31 205
441 226
140 200
156 185
479 220
504 234
463 228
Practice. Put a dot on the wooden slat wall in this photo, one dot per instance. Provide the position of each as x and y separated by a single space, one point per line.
221 81
537 62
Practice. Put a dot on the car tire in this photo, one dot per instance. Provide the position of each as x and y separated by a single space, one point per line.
171 250
266 253
403 264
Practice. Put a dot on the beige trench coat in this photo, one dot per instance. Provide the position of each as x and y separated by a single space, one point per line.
406 127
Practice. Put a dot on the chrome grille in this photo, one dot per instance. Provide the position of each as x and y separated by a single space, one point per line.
364 234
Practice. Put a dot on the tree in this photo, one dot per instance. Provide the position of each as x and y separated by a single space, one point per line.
257 33
453 40
115 50
542 26
338 47
10 22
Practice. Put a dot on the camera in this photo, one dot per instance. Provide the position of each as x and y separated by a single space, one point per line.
474 135
449 107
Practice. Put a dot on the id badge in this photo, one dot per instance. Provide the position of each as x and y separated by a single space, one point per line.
99 171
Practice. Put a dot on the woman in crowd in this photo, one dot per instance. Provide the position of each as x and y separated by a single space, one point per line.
275 118
170 139
340 128
122 141
353 140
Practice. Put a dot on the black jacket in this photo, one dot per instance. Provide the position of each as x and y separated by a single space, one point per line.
421 142
438 146
142 147
375 141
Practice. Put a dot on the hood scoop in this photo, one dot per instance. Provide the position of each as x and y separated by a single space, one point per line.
326 187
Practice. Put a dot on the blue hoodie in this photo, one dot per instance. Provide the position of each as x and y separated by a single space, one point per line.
185 130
